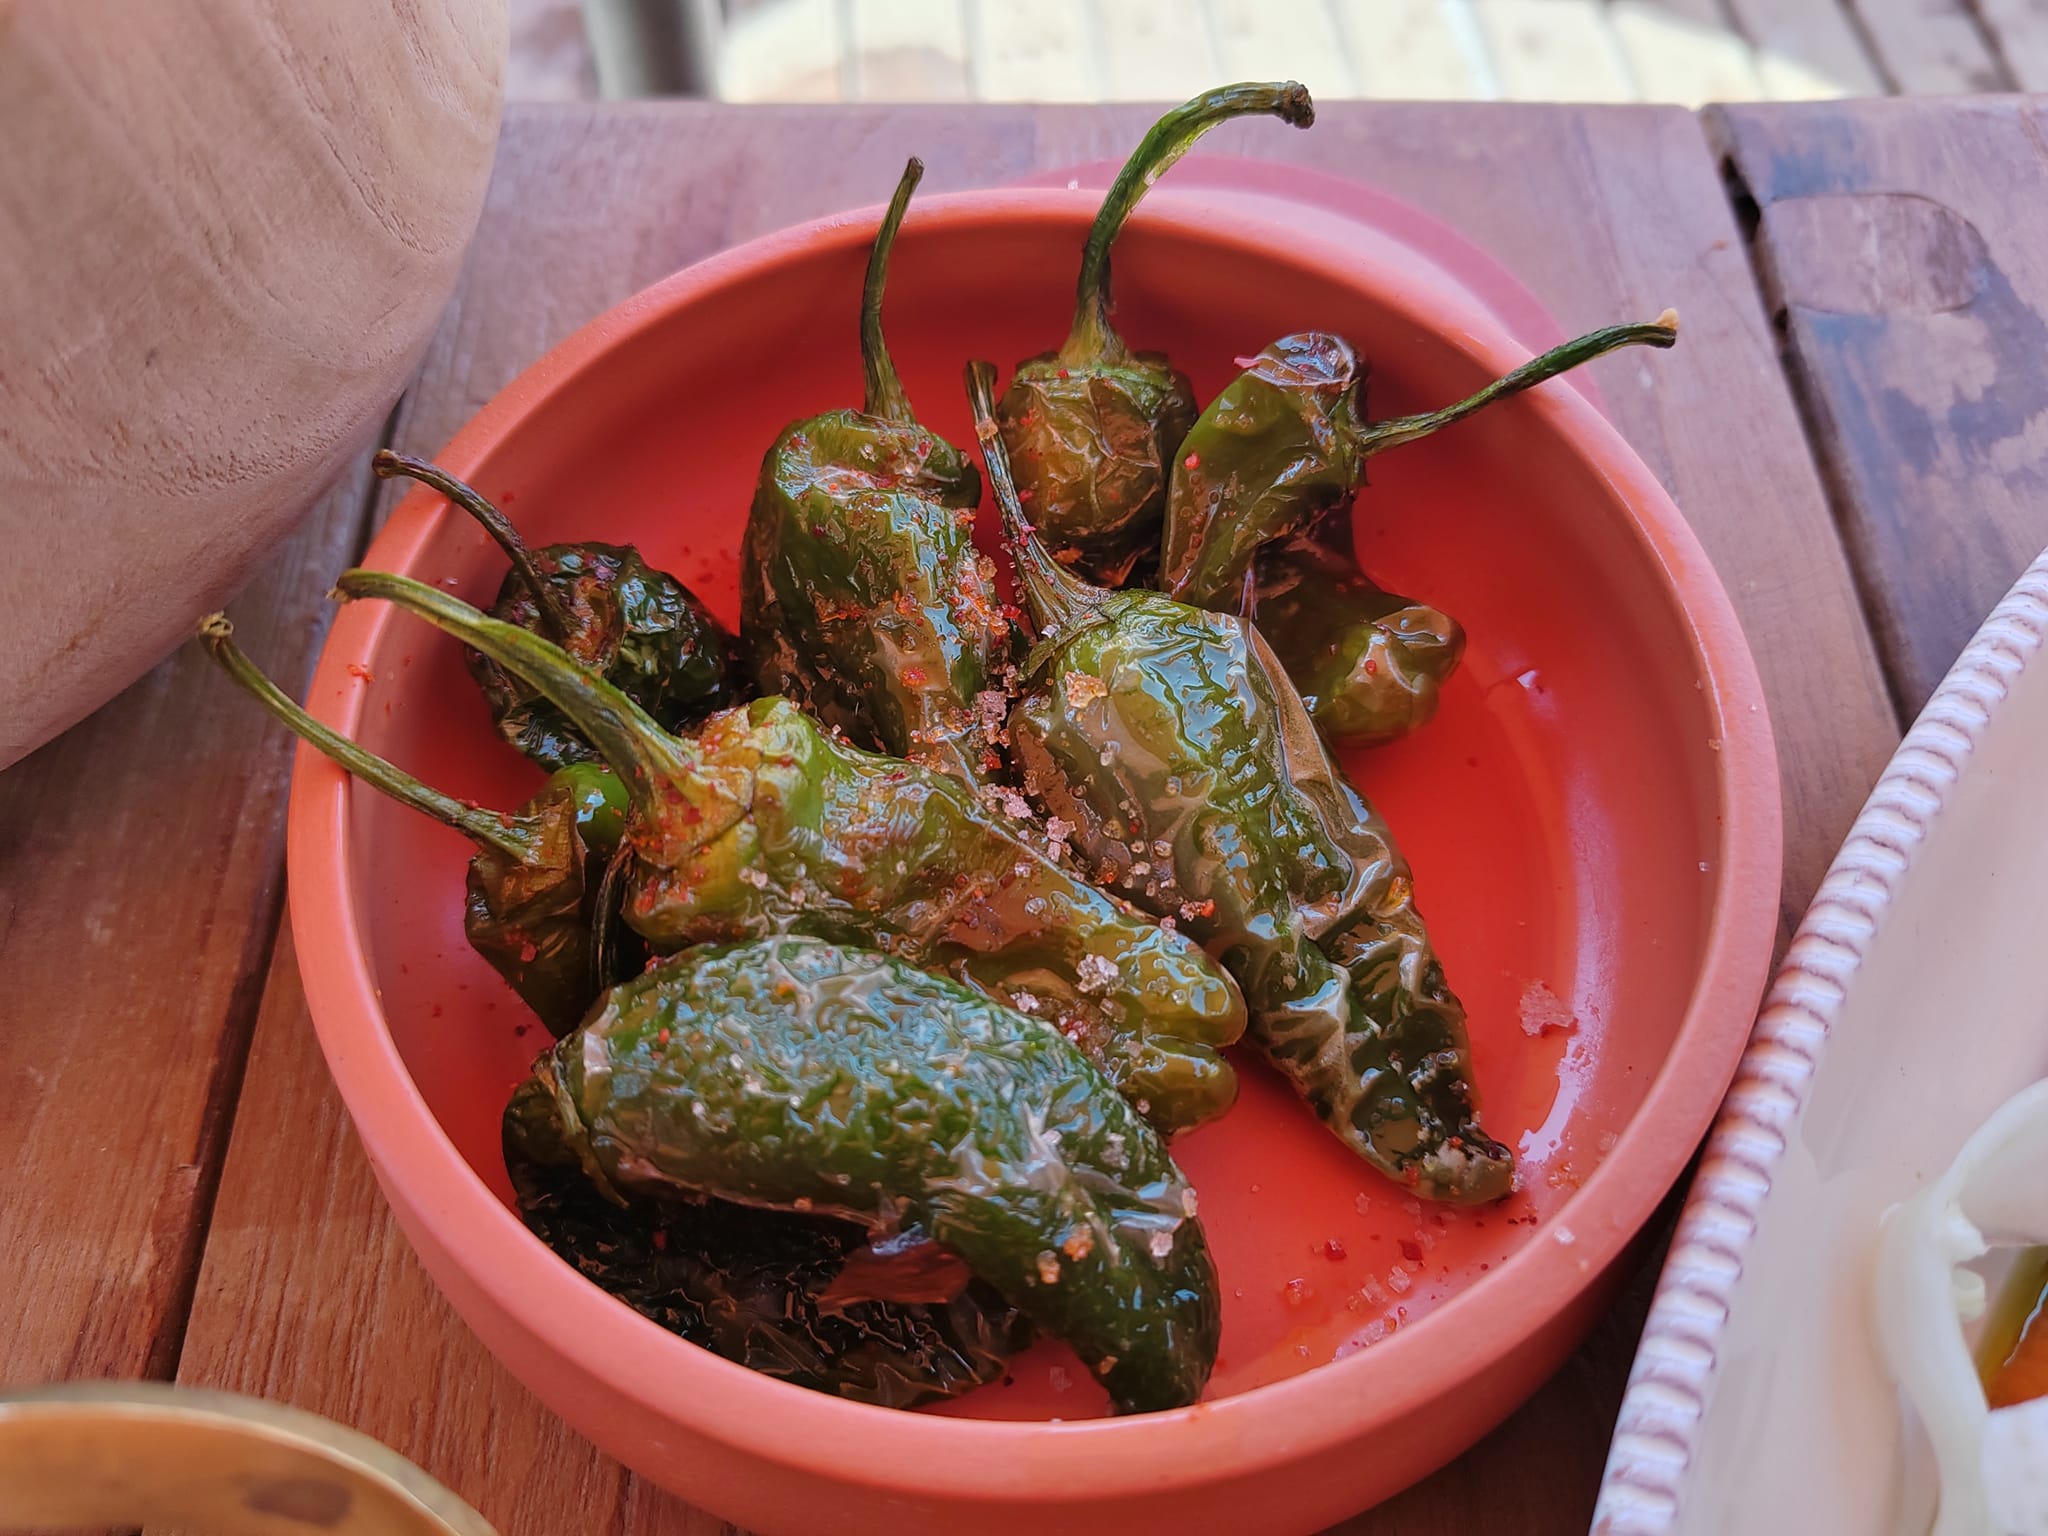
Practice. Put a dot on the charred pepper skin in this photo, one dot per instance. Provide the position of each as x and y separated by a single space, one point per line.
1370 664
607 607
795 1074
529 901
1287 442
862 595
763 823
1092 428
752 1285
1170 737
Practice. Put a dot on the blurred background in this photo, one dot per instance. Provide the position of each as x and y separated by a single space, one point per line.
1682 51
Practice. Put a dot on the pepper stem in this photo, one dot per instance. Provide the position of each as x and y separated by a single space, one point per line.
483 827
885 390
1379 436
633 744
553 612
1093 338
1054 594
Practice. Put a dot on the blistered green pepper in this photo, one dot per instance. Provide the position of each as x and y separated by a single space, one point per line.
761 822
608 608
1092 428
755 1286
1170 739
801 1075
530 905
862 596
1370 664
1287 441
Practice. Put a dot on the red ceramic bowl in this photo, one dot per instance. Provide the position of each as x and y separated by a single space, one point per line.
1593 819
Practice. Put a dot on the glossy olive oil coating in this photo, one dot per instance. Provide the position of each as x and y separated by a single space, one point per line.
1370 664
605 605
1287 441
796 1074
529 905
862 596
1092 428
1173 743
751 1284
762 823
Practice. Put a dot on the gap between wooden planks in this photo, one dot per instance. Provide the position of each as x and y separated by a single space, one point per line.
308 1294
1904 245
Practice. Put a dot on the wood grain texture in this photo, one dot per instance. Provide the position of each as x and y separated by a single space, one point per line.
1931 47
226 231
309 1294
141 879
2019 31
1807 48
1899 244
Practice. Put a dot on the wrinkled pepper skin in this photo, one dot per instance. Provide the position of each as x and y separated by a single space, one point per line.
751 1284
1171 739
799 1075
1287 442
1092 428
1370 664
607 607
862 595
529 906
763 823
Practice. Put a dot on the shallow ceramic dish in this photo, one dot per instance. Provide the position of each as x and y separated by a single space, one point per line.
1594 819
1912 1003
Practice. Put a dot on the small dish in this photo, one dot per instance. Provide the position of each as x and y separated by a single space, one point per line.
1593 817
1912 1003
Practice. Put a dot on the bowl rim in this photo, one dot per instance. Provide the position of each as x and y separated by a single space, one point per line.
655 1372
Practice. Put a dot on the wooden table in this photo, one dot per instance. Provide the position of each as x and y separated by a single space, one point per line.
1856 423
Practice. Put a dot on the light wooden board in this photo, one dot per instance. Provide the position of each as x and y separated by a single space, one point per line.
1807 48
1931 47
1554 50
2019 30
1900 242
308 1294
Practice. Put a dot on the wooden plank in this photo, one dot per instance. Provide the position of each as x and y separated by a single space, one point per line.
1931 47
793 50
1902 241
909 50
1040 52
1554 50
1684 51
2019 31
1262 41
1619 212
1807 49
1414 50
141 864
339 1317
1156 50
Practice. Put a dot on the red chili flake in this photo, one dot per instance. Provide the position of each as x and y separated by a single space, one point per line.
527 952
358 670
506 497
1192 461
661 1239
1334 1251
1063 373
1371 667
1411 1251
662 1037
911 677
